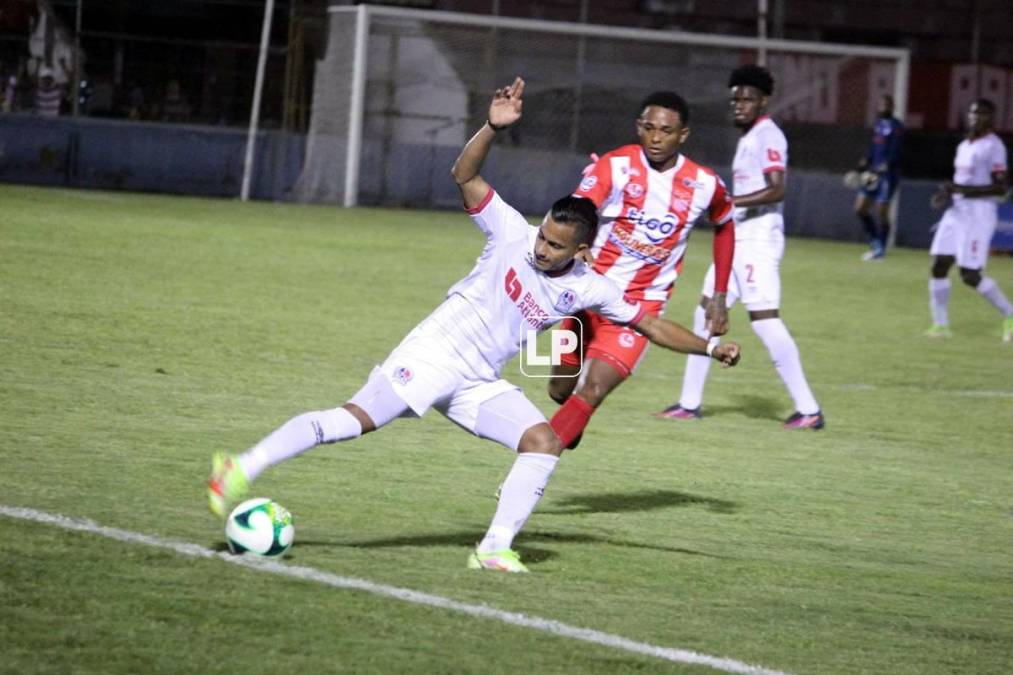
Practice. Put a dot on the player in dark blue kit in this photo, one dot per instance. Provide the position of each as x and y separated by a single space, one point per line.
880 174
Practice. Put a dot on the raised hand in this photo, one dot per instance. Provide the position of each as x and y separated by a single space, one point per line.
505 108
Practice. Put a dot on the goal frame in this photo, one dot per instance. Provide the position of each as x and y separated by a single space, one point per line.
365 13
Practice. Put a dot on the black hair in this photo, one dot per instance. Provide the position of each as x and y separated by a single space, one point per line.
579 212
986 103
752 76
670 100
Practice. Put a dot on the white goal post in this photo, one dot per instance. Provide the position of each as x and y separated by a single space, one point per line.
399 90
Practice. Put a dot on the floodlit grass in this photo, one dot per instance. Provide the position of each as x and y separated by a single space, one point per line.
139 334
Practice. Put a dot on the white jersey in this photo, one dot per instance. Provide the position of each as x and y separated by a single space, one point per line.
976 160
487 314
761 150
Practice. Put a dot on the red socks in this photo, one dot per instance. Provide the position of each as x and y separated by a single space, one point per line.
570 420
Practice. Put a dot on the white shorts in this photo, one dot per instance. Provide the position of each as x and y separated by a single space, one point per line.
422 373
756 274
965 231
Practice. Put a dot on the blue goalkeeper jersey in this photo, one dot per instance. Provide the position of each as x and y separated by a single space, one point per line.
884 150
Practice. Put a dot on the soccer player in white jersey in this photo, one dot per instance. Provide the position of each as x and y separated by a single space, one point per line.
452 360
759 167
649 196
965 231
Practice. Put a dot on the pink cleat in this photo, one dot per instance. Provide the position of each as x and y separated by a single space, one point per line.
677 412
800 421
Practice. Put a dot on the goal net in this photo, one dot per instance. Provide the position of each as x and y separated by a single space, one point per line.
400 91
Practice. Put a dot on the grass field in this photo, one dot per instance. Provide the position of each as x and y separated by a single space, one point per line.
139 334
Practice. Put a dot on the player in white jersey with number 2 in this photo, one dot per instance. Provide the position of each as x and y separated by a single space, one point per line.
965 231
759 168
452 360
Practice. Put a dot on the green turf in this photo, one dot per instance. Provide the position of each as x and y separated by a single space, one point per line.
139 334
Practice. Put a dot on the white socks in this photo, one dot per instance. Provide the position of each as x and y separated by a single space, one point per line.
991 292
784 354
697 367
297 436
939 300
523 487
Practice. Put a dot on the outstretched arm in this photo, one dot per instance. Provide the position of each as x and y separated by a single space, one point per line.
672 336
504 110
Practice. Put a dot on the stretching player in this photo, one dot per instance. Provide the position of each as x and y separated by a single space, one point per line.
882 161
761 159
649 197
452 360
966 228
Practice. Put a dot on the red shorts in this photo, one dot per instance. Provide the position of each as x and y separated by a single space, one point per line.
619 346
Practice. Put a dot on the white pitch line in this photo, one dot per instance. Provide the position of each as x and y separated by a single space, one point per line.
404 594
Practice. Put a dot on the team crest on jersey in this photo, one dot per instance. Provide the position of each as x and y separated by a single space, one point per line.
635 190
692 184
403 375
588 183
566 301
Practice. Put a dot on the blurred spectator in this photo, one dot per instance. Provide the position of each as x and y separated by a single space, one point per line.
100 104
48 94
10 84
175 107
133 104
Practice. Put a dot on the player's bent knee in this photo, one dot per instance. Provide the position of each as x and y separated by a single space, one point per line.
941 266
971 277
560 388
540 439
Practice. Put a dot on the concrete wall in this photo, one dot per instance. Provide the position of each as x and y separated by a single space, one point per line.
147 157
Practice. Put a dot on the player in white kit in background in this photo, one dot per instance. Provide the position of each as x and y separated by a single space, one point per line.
452 360
759 167
965 231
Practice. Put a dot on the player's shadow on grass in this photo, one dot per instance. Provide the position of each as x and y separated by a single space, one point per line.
644 500
531 554
750 405
468 539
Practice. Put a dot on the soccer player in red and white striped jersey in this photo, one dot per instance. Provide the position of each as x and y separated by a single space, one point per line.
649 196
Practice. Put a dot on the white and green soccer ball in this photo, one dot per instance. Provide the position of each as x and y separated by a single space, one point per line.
259 526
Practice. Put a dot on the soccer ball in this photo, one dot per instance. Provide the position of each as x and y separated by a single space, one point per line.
259 526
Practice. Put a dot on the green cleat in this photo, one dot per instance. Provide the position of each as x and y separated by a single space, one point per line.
1007 329
938 331
227 484
503 560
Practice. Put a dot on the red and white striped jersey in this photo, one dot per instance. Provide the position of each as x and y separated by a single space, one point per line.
646 217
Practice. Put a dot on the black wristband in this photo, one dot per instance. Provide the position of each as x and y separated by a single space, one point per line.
495 128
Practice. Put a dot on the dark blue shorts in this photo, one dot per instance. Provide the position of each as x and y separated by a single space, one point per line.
882 190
